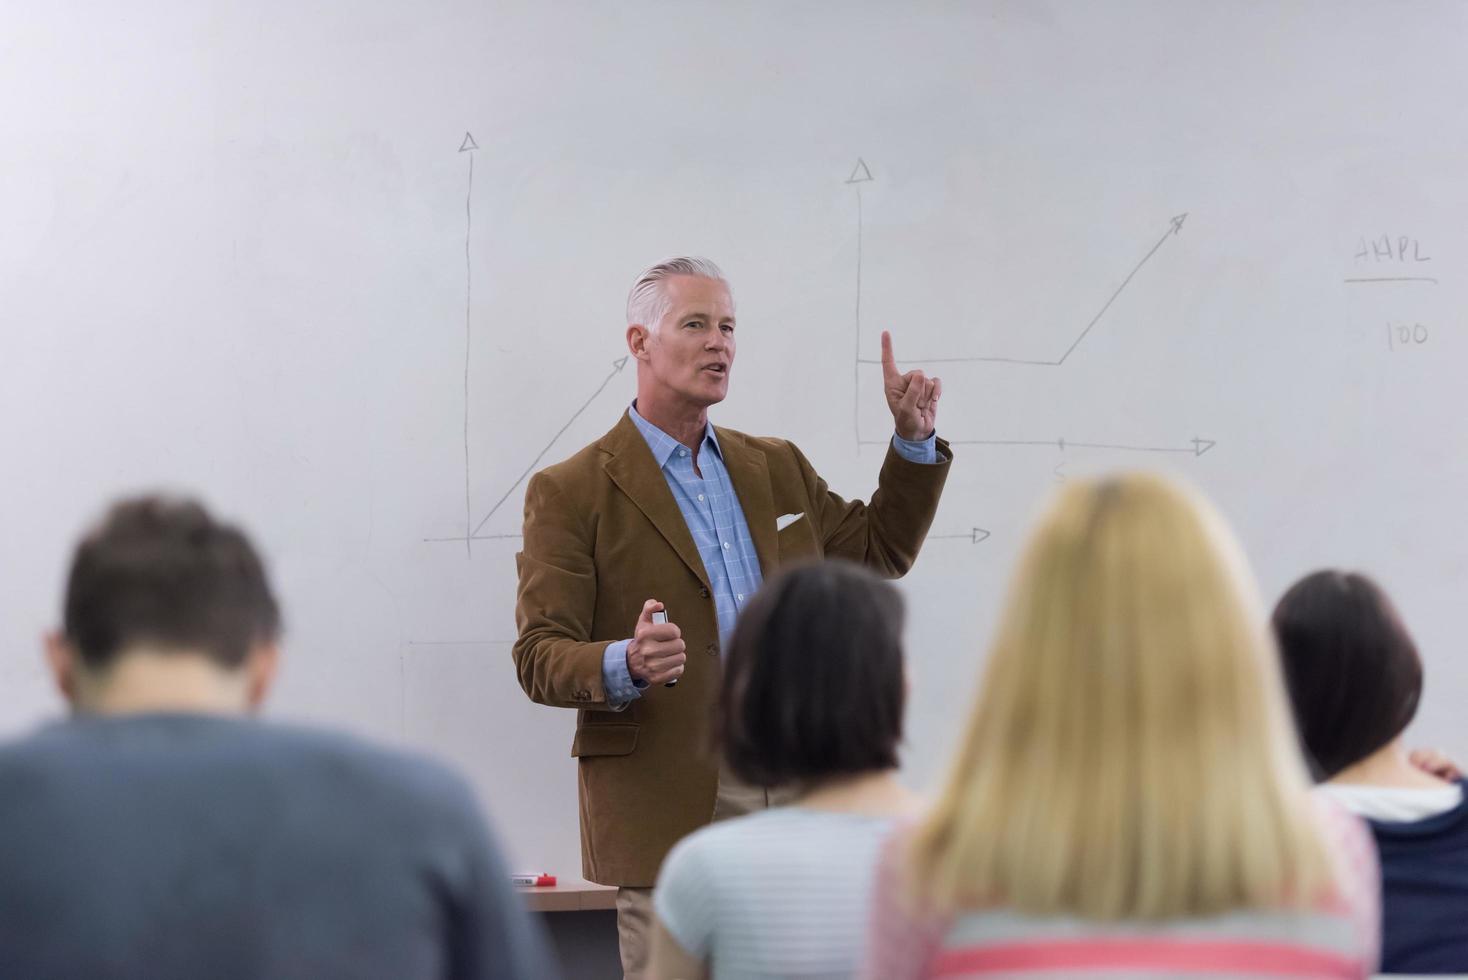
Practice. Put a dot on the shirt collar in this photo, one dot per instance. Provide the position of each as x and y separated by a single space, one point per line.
663 445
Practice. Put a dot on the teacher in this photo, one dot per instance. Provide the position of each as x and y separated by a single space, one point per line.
669 513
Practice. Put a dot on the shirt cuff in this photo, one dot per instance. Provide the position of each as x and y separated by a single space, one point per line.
917 450
621 689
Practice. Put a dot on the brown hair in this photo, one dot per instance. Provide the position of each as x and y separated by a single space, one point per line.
165 573
1351 667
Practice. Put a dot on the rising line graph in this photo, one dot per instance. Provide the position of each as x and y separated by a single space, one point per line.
473 533
861 174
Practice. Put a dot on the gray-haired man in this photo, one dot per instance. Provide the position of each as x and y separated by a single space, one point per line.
668 513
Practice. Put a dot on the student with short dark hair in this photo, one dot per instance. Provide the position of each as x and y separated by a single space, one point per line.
160 833
812 702
1355 681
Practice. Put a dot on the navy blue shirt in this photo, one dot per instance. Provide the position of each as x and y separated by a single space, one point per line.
1424 884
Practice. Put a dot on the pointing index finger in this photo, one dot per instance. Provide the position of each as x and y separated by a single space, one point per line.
889 363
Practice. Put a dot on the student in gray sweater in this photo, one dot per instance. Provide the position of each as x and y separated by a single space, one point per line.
163 833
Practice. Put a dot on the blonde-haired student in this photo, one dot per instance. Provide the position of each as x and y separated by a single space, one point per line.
1128 798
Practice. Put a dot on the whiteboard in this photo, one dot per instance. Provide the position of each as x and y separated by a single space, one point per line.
349 270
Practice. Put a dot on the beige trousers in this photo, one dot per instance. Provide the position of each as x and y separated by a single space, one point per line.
634 905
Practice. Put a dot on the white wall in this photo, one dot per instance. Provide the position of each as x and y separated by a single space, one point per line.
232 260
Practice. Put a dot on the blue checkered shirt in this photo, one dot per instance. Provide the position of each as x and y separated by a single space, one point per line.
716 521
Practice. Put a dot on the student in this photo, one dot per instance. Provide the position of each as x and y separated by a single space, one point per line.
1355 680
161 833
812 701
1128 799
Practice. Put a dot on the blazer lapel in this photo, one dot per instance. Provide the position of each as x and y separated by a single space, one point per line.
750 474
632 468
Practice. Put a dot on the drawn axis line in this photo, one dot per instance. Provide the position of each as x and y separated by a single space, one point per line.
1394 279
1198 447
468 146
860 174
974 536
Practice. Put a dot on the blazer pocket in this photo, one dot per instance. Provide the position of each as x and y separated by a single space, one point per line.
592 740
796 541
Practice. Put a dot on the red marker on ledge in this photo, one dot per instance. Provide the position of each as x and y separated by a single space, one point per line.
538 881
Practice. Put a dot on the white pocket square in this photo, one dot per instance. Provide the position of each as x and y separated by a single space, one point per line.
785 520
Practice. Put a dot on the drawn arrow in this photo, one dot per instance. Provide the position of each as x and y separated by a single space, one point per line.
1196 447
468 146
477 537
617 367
974 536
1175 225
860 174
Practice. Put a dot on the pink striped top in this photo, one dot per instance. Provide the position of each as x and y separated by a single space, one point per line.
1340 938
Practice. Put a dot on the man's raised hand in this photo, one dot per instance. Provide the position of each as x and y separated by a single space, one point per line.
657 651
912 397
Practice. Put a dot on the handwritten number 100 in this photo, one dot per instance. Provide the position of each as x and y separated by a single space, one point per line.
1402 335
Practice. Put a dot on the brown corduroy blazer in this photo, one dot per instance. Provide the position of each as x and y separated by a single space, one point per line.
602 535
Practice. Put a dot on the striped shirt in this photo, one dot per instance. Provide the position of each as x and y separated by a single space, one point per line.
779 893
1340 938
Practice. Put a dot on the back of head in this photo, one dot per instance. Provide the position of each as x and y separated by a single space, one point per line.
1129 756
1352 669
162 574
813 678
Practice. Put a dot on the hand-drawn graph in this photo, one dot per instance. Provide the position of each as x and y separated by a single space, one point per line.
861 174
473 534
472 530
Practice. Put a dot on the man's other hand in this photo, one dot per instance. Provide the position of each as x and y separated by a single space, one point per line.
657 653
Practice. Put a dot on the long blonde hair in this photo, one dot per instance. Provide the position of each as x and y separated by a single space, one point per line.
1130 755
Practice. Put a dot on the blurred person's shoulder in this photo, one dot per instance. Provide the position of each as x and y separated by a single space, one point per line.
365 771
773 835
222 749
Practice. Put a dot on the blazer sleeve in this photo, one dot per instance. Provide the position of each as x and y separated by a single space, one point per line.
885 534
557 661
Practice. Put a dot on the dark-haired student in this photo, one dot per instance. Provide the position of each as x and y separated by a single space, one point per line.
1355 680
161 833
812 701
